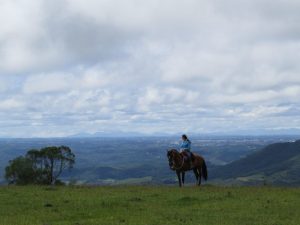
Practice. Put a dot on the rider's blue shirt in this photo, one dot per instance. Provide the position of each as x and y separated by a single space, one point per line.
185 145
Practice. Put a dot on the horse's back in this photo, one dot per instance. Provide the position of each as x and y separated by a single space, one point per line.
198 156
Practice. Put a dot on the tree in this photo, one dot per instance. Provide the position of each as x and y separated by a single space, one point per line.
20 171
56 160
42 166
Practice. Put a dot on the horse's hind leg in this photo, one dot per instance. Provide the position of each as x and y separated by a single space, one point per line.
196 175
179 178
183 173
200 175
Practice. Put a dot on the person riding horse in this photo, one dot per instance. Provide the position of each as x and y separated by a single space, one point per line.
184 160
185 149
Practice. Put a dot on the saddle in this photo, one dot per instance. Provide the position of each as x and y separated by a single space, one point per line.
186 156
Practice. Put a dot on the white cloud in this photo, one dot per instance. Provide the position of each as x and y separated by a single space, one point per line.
43 83
151 66
56 82
10 104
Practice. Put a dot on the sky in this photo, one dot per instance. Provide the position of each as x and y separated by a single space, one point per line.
171 66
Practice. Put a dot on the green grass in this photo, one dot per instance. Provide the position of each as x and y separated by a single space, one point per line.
138 205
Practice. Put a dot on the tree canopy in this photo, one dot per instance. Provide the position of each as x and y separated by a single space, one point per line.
42 166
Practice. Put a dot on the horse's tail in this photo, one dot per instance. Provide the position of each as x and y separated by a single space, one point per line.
204 170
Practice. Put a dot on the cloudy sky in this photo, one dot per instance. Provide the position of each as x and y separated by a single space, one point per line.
194 66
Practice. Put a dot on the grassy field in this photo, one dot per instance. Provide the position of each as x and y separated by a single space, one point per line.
140 205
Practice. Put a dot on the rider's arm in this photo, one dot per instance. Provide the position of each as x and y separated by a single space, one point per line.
185 145
182 145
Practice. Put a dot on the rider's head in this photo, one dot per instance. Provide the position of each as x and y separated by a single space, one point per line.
184 137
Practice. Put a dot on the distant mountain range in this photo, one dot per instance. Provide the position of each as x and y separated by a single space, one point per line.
103 134
119 133
260 132
277 164
116 134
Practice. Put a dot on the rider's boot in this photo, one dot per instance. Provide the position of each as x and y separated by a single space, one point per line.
191 164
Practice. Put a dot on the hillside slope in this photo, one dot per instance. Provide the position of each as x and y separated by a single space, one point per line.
276 164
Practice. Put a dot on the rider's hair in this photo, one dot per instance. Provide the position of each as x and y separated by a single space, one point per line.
185 137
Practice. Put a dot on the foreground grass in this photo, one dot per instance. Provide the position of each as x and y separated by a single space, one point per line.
149 205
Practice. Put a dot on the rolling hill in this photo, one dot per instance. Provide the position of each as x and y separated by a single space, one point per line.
143 159
277 164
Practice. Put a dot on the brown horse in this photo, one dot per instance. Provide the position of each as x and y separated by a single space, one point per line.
178 163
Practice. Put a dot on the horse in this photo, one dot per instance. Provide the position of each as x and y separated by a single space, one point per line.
178 163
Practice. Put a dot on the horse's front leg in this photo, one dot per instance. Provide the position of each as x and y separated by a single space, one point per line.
183 173
179 178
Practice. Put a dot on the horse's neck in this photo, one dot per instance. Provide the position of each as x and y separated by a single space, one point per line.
179 160
178 156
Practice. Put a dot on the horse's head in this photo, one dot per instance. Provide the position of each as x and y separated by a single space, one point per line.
171 154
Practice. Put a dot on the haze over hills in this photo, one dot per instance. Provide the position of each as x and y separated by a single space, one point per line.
107 134
277 163
292 132
256 132
114 160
